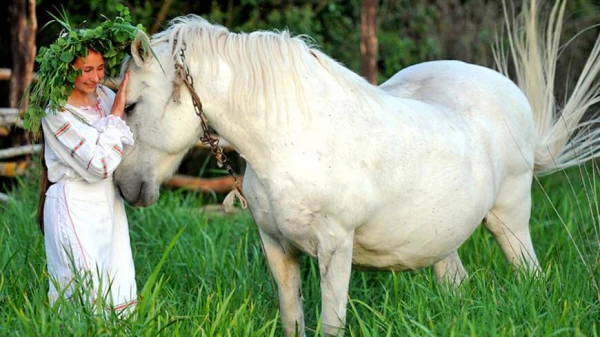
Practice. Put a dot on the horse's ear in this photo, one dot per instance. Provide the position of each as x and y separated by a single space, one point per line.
140 49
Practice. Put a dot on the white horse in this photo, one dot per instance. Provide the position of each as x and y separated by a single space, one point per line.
394 177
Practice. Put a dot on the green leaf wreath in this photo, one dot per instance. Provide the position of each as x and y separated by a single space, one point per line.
56 74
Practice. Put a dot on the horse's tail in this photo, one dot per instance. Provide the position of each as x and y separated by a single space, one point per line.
564 138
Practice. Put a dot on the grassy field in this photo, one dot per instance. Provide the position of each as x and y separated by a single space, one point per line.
202 275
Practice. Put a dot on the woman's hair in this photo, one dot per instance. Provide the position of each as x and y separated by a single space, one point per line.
44 185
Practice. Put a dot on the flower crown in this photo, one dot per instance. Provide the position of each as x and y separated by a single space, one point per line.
56 74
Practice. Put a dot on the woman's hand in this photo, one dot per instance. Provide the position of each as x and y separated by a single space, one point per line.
118 107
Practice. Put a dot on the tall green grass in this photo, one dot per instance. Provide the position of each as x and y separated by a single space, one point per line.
205 275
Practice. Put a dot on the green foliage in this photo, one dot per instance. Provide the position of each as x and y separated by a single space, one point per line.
56 75
407 35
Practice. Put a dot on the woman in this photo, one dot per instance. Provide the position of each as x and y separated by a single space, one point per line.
84 221
80 212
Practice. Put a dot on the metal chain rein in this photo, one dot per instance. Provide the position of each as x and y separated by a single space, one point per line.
218 151
207 138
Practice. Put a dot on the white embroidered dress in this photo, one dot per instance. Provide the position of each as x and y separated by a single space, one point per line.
85 224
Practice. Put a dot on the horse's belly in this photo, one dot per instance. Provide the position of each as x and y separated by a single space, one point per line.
402 245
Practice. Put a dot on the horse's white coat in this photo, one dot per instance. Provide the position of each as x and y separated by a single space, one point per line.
390 177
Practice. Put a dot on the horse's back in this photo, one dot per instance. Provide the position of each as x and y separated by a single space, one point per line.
456 84
494 108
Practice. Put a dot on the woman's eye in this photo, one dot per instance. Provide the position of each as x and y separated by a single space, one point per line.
129 108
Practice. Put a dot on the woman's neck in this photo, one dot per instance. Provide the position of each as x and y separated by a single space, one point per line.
79 99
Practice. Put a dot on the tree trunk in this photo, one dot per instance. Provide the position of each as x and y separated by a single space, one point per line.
23 27
368 40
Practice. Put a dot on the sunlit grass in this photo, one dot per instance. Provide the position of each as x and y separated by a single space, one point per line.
202 275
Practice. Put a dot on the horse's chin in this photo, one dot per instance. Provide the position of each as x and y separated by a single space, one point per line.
142 194
148 196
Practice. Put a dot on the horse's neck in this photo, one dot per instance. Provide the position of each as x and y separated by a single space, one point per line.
256 135
259 122
251 121
261 141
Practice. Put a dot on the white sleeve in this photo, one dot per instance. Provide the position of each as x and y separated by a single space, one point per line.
93 154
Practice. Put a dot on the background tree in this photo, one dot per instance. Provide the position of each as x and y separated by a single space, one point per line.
368 40
23 30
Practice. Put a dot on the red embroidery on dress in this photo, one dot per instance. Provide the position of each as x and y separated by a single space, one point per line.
62 129
104 170
77 147
99 109
118 150
125 305
99 103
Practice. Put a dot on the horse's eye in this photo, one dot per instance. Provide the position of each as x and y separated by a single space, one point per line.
129 108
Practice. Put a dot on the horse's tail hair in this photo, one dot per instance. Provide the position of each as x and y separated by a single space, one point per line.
564 137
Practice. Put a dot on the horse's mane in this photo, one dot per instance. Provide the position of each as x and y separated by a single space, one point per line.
265 63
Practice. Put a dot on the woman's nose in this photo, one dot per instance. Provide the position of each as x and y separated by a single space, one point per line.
95 76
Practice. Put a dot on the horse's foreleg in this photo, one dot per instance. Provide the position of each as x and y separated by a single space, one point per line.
283 262
450 270
335 264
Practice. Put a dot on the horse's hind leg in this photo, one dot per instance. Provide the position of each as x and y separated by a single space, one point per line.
450 270
508 220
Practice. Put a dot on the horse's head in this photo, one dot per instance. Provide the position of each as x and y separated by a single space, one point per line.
164 128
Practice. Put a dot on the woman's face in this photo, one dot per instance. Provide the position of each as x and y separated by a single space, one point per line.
92 72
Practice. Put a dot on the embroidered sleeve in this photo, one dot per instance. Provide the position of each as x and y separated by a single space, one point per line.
113 126
91 153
